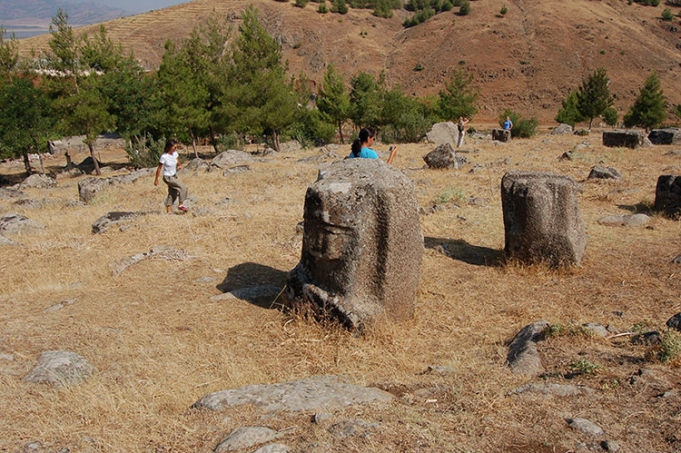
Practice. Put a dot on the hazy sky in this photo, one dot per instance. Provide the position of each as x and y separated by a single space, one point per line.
135 6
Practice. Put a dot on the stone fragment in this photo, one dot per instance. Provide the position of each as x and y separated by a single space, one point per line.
90 187
61 368
501 135
624 220
599 172
669 136
16 223
668 195
113 219
38 181
596 329
444 156
362 245
675 322
246 437
585 426
230 158
523 357
273 448
553 389
443 133
542 218
562 129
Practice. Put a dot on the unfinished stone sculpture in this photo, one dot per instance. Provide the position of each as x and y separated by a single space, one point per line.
362 244
542 218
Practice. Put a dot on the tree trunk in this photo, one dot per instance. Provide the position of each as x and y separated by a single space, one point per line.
191 134
69 163
213 140
275 141
27 164
94 159
40 157
591 120
340 131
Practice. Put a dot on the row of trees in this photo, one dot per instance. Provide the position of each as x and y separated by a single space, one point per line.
592 99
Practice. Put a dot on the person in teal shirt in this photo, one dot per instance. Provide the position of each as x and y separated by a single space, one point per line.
361 146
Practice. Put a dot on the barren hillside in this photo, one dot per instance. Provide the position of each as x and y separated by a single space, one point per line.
527 60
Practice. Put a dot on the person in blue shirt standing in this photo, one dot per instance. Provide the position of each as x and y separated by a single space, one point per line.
361 147
508 124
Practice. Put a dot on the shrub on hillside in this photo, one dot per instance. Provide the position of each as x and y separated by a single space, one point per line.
465 8
145 154
667 15
301 3
339 6
323 9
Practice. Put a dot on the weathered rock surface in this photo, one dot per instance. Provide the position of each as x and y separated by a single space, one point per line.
246 437
585 426
196 164
444 156
599 172
675 322
90 187
523 356
562 129
9 194
501 135
60 368
542 218
670 136
230 158
6 241
16 223
553 389
443 133
237 169
38 181
316 393
160 252
624 139
362 245
668 195
596 329
115 218
273 448
624 220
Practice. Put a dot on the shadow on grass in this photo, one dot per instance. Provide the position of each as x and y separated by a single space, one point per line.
638 208
463 251
255 283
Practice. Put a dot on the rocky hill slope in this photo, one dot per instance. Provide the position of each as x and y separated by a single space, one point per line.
527 60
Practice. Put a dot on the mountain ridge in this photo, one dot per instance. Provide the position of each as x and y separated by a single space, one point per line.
527 60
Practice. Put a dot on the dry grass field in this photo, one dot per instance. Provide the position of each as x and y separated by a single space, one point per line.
159 342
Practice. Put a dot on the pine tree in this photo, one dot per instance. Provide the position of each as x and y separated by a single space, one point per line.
459 97
9 57
365 101
650 108
334 100
593 96
569 113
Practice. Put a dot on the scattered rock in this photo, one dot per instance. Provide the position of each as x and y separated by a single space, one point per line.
237 169
6 241
205 279
523 357
501 135
669 136
444 157
90 187
562 129
9 194
7 357
292 145
647 338
37 181
15 223
624 139
352 428
230 158
321 417
315 393
585 426
599 172
568 155
114 218
443 133
596 329
160 251
610 445
196 164
668 195
624 220
675 322
273 448
477 201
553 389
60 368
246 437
439 369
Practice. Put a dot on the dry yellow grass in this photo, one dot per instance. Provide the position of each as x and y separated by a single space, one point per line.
159 342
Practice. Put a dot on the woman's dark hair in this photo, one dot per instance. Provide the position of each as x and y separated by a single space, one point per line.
169 144
364 134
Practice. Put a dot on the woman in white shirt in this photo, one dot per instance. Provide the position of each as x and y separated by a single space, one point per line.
170 164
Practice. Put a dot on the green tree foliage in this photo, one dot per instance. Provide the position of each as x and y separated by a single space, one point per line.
503 11
593 96
365 99
667 15
677 111
9 57
404 118
459 98
465 8
334 100
301 3
569 113
522 127
384 8
265 98
25 119
323 9
610 116
339 6
650 108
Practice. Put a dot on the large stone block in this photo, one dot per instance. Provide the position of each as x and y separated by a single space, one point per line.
362 244
624 139
444 156
501 135
670 136
443 133
90 187
542 218
668 195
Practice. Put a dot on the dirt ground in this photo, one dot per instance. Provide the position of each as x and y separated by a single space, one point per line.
159 343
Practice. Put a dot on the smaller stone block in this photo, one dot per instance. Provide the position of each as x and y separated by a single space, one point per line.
670 136
501 135
668 195
624 139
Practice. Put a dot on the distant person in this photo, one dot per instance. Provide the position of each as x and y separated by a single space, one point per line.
170 164
361 146
508 124
461 126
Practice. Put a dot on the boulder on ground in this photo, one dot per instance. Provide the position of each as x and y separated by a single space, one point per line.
444 156
90 187
196 164
16 223
362 244
624 139
670 136
230 158
114 218
599 172
624 220
37 181
562 129
61 368
501 135
542 218
523 357
668 195
292 145
675 322
443 133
